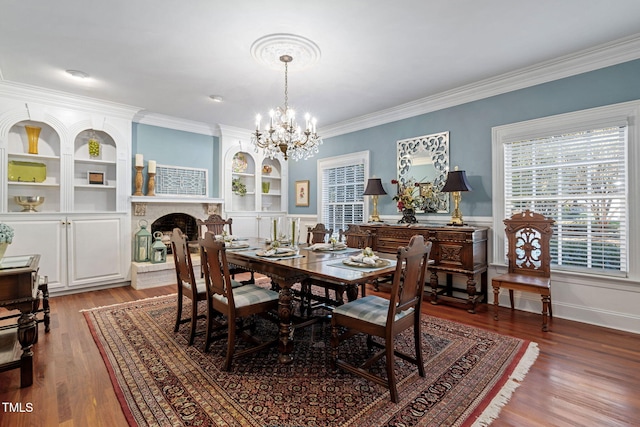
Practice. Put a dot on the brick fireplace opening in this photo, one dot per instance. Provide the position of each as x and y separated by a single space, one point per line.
185 222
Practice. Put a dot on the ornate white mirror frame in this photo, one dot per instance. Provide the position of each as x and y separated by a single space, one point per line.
425 160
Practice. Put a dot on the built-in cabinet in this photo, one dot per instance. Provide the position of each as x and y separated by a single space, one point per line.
76 250
262 191
81 169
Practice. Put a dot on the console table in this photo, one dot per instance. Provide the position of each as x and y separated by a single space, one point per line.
455 250
18 291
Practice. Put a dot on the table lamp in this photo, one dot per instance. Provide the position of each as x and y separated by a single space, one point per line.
456 182
374 189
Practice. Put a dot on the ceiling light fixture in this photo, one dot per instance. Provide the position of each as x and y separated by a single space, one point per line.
282 134
216 98
77 74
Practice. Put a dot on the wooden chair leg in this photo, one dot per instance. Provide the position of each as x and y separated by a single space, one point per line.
511 298
194 321
545 310
391 375
231 342
496 301
178 314
417 339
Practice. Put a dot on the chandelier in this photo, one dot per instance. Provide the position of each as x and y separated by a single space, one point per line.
281 134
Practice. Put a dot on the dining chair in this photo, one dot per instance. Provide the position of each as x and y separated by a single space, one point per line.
386 318
355 237
529 256
235 303
215 225
188 285
318 234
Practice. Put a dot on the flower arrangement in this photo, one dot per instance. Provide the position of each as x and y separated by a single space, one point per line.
238 187
6 233
408 196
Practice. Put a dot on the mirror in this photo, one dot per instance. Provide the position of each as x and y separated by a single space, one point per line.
425 160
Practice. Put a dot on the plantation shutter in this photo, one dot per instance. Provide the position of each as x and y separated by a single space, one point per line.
342 200
580 180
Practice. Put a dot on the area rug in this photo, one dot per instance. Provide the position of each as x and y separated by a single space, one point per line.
162 381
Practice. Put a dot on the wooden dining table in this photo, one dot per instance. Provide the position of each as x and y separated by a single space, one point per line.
285 271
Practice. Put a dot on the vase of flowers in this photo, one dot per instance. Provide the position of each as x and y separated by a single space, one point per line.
408 199
6 237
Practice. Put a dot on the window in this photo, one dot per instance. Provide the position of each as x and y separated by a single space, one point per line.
342 180
572 168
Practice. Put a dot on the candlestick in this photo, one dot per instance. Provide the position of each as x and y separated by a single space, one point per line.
138 181
139 160
151 185
275 229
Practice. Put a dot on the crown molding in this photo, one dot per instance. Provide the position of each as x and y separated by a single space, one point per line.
235 132
153 119
605 55
61 99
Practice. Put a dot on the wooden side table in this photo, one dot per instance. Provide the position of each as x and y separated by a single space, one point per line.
18 291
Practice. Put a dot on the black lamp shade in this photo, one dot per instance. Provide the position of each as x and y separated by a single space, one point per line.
374 187
456 181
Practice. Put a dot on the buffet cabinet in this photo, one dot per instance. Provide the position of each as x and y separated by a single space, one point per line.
455 251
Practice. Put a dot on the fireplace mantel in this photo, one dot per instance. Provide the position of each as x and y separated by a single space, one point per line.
140 203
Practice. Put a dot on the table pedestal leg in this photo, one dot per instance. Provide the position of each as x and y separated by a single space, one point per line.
285 344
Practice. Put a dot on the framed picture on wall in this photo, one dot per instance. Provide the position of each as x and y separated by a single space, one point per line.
96 178
302 193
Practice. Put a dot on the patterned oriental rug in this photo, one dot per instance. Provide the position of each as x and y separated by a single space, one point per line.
161 381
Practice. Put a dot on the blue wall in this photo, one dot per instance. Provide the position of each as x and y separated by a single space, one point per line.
469 127
178 148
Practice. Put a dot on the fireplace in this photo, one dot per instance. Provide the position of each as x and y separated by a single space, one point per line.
164 214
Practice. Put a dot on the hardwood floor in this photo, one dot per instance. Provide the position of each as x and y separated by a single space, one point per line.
584 375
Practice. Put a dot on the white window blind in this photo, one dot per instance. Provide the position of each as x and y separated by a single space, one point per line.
580 180
342 200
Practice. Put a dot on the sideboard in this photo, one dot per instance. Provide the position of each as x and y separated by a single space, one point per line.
455 250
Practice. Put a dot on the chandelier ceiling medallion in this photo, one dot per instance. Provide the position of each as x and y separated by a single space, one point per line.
281 133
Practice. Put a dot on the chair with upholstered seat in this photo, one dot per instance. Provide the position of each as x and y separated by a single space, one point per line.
217 226
188 285
386 318
353 237
529 256
234 302
318 234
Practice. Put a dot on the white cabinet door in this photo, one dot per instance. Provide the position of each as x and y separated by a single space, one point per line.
75 251
95 247
45 236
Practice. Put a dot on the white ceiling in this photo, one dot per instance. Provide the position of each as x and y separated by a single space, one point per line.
167 57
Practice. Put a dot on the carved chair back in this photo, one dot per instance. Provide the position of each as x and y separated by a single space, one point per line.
528 236
318 234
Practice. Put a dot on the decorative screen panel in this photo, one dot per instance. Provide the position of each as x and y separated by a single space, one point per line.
175 180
